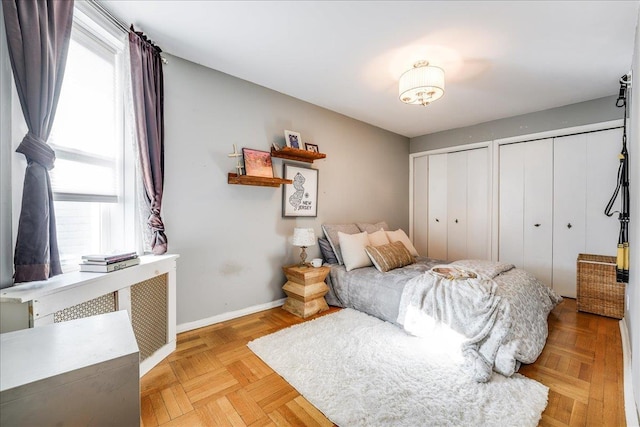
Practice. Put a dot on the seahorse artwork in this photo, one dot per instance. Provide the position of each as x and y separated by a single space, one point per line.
296 198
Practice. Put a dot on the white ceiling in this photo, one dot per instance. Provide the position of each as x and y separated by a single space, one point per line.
501 58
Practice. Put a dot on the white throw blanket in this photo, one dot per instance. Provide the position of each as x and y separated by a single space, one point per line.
460 306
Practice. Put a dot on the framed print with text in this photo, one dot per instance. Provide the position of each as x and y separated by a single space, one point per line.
301 197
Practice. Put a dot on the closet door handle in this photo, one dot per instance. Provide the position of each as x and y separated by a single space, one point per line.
456 221
569 225
536 225
437 220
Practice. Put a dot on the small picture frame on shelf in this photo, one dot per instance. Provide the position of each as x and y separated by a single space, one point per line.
293 139
311 147
276 146
257 163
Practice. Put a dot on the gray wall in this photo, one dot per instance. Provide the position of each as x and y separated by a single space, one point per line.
232 239
583 113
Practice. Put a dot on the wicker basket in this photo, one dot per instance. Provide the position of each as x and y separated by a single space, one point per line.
598 291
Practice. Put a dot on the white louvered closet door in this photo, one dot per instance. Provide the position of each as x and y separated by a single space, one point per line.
457 174
437 206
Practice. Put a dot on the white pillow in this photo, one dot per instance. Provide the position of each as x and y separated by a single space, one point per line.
378 238
353 248
400 236
331 232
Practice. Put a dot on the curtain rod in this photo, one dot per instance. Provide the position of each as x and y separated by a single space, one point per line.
118 23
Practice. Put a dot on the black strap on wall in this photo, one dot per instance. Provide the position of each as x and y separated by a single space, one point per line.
622 259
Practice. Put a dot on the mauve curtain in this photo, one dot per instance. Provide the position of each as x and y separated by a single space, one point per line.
38 33
147 86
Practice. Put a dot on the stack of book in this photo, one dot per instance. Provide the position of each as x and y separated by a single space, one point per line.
108 263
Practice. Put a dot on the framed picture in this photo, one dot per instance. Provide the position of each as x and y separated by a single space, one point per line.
301 197
257 163
293 139
311 147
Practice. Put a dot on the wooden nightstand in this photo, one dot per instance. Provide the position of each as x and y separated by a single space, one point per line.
305 290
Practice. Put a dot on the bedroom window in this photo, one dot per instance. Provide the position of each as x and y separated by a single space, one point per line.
92 180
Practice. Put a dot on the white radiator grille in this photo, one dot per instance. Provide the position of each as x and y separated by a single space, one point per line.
149 314
103 304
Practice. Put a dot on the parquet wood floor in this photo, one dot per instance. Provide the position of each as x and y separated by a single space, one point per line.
582 366
213 379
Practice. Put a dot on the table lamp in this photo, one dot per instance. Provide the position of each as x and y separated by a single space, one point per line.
303 238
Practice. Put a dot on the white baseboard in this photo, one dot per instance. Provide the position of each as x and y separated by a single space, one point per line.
189 326
629 402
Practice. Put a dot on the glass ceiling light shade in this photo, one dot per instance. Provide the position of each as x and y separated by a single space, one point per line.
303 238
422 84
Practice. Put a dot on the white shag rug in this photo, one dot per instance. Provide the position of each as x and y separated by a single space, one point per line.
361 371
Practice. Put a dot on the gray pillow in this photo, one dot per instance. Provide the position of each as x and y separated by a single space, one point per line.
372 228
327 251
331 232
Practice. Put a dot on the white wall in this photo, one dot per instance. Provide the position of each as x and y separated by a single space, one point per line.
632 315
232 239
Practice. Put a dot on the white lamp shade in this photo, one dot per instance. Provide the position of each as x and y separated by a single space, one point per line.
304 237
421 85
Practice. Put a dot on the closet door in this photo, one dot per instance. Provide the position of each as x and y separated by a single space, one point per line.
538 209
420 199
457 206
511 210
569 202
437 206
526 197
478 204
602 166
585 168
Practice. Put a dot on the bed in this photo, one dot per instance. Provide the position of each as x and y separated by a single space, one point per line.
499 310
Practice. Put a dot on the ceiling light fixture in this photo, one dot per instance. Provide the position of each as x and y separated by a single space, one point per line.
422 84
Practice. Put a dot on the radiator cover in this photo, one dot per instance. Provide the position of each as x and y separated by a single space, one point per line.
149 314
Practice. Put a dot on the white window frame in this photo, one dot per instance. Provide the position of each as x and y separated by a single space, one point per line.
92 30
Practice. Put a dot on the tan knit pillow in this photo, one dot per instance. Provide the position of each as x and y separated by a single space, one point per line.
390 256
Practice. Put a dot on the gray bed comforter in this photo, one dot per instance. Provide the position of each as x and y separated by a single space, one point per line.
370 291
503 314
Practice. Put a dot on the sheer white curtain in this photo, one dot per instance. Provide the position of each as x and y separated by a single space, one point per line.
141 210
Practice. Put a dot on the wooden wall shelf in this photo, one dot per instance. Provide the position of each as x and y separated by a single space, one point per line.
256 180
296 154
